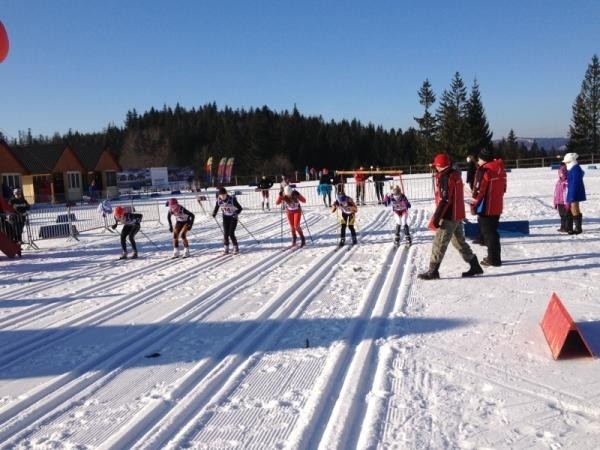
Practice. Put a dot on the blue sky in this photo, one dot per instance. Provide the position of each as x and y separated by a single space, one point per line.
81 64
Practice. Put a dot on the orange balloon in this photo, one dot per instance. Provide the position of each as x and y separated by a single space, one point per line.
3 42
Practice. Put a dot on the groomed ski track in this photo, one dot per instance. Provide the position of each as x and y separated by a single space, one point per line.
167 409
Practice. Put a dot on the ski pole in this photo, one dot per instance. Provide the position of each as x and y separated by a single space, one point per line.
281 223
248 231
149 240
220 227
306 225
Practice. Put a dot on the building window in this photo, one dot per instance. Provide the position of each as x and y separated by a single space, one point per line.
12 180
111 178
74 180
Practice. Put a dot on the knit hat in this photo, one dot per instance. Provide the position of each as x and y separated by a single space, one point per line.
441 160
570 158
486 154
222 190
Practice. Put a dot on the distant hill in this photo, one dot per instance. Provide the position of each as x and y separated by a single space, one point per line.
558 143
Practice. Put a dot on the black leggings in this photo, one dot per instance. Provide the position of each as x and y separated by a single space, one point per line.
229 226
131 231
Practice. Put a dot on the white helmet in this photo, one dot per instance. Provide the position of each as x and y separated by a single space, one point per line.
287 190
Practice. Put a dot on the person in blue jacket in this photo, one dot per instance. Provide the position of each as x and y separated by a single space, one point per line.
575 191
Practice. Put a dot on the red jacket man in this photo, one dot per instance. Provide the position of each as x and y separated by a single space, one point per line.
489 188
447 220
487 203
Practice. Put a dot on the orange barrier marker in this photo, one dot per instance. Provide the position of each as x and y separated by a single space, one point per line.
561 332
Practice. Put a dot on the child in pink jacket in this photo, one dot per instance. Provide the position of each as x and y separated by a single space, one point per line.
560 202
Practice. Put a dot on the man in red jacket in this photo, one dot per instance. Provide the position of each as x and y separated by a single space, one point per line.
487 202
447 220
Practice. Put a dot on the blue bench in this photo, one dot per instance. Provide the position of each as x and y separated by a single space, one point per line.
506 228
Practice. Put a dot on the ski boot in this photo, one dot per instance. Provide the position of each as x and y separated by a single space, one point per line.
397 236
123 255
354 240
302 241
342 242
175 253
236 249
407 235
226 249
134 255
186 252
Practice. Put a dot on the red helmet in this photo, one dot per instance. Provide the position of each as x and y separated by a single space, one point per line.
173 201
441 160
119 211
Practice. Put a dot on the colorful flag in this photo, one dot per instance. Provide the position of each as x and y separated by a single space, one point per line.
228 170
221 170
208 171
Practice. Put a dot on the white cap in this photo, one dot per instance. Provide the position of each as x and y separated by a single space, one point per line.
570 157
287 190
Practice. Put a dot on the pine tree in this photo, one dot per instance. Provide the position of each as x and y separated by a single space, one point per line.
427 123
585 124
478 133
451 116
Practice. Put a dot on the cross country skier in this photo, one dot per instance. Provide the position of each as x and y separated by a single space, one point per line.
291 199
184 220
349 209
230 209
131 222
400 206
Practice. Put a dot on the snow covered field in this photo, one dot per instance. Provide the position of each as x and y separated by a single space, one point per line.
313 348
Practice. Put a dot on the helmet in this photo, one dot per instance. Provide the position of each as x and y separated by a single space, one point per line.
172 202
570 158
441 160
288 190
341 197
119 211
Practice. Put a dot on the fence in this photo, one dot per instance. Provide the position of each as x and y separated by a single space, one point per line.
68 221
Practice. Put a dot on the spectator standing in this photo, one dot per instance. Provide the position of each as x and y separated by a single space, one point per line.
359 178
487 203
92 191
379 180
560 204
447 220
575 189
324 188
264 184
19 217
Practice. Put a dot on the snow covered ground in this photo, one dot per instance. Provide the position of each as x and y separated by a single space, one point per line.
313 348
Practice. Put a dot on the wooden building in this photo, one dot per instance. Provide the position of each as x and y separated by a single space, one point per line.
58 173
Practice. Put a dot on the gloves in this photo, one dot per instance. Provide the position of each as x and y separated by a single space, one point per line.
214 215
170 228
189 226
114 227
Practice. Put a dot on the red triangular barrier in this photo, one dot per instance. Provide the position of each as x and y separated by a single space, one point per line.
561 332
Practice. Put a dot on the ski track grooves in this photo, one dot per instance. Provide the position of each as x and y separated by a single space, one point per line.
109 360
339 411
176 420
54 397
